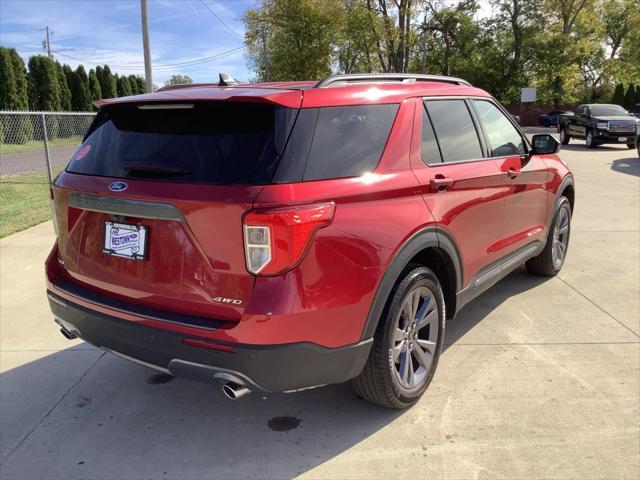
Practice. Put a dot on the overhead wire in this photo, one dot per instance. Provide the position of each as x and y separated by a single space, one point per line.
165 66
221 21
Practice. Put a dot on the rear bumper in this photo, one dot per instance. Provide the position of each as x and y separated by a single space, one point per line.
272 368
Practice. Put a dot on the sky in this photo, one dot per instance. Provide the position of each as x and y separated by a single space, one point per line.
91 32
205 36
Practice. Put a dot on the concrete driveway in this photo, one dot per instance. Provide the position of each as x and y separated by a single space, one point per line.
540 379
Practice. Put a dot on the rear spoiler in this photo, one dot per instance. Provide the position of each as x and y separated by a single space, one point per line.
285 98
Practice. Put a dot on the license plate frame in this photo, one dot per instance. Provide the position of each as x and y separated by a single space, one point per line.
125 240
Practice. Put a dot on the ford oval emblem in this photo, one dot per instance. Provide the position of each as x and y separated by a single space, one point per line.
118 186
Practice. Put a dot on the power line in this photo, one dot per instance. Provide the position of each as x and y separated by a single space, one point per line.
221 21
165 66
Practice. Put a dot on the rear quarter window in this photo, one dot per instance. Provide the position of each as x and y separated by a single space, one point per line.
348 141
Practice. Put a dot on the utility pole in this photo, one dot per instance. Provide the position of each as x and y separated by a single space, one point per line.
46 43
145 45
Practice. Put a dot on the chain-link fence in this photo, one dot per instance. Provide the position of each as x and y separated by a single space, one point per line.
34 148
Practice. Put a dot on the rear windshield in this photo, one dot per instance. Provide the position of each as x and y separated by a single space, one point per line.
221 143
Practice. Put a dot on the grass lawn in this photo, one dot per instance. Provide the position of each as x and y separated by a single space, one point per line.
24 202
31 145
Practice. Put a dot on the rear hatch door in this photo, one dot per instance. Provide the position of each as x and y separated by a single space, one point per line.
150 207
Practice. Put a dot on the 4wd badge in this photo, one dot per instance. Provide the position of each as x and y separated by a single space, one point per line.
232 301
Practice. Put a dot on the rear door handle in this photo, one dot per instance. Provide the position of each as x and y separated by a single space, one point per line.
440 183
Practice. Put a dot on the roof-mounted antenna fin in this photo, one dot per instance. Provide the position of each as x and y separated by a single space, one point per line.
226 80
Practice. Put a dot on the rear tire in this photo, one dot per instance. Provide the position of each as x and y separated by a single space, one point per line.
407 343
550 261
564 136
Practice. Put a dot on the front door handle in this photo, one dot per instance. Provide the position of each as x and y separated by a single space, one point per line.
513 172
440 183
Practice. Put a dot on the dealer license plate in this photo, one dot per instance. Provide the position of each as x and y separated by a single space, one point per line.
128 241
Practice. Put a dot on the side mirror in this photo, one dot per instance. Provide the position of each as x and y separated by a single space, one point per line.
544 144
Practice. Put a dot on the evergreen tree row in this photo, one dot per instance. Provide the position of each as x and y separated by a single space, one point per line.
48 85
627 98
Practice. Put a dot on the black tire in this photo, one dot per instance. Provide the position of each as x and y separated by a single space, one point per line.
564 136
630 146
378 382
589 141
543 264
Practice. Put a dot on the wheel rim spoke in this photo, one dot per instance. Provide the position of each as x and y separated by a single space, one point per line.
427 345
397 350
428 318
423 358
398 334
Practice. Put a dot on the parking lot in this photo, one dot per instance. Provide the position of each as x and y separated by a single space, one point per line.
540 378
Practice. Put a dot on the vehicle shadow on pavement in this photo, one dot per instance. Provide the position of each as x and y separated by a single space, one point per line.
114 418
581 147
630 166
472 314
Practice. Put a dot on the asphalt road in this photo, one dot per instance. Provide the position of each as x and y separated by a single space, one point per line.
540 379
35 160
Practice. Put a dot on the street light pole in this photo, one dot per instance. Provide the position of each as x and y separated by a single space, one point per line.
147 50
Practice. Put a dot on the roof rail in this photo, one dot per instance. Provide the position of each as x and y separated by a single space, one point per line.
342 79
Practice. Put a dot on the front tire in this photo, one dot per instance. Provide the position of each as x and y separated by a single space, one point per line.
564 136
550 261
407 343
589 141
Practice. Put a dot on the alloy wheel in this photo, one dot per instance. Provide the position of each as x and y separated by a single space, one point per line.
560 237
589 139
415 338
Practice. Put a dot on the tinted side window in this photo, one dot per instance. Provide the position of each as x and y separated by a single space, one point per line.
348 141
454 129
430 150
504 139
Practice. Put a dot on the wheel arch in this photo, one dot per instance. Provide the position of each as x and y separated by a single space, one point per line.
431 247
566 189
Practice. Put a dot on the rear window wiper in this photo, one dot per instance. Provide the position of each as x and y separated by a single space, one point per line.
152 169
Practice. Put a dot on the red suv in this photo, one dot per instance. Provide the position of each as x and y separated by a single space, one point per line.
284 236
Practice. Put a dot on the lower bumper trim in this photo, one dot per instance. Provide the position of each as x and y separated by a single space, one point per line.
271 368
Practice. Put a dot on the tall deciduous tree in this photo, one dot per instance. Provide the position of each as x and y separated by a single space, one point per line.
178 79
396 38
358 42
292 39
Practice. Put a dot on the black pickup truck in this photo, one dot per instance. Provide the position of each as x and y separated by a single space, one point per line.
598 124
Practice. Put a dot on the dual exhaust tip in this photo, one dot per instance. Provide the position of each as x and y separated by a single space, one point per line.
234 391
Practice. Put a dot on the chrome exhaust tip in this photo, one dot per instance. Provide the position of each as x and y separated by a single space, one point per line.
67 334
234 391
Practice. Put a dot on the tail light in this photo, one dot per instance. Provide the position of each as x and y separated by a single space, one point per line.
276 240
